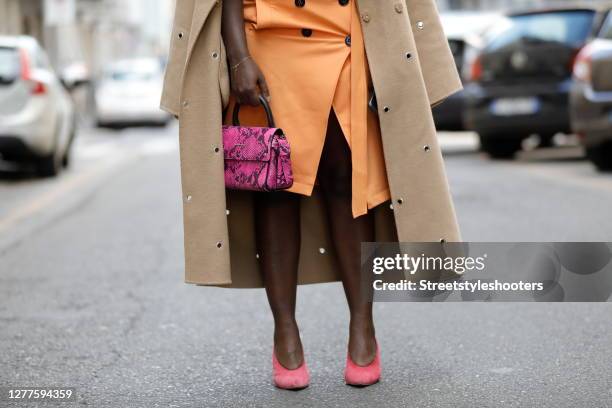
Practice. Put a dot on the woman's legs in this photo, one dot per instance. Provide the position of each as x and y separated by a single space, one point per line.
335 178
278 240
279 245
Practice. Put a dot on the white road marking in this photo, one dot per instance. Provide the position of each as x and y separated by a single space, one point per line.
94 158
49 197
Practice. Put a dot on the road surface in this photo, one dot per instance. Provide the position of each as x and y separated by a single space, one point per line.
92 297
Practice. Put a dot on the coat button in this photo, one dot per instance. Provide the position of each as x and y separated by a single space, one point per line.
300 3
343 2
442 240
220 244
181 35
306 32
227 212
188 198
322 251
347 40
399 7
426 148
185 103
365 17
400 201
215 55
420 25
408 55
386 109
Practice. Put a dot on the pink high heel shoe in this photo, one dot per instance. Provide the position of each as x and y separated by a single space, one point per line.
287 379
362 375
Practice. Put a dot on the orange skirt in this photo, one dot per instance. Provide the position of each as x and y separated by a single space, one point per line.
312 55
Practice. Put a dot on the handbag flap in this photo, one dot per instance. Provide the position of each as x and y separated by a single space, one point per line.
248 143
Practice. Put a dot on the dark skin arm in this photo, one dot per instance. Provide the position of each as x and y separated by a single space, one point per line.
247 80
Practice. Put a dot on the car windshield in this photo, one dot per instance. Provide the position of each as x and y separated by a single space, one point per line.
567 27
9 64
131 76
134 71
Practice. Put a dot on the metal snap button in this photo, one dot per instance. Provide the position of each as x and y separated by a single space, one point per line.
365 17
322 251
426 148
420 25
442 240
188 198
215 55
400 201
220 244
408 55
227 212
399 7
185 103
181 35
386 109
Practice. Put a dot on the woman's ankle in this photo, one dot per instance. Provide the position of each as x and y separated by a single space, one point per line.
287 344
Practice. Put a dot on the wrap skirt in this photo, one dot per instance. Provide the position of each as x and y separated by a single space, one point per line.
312 55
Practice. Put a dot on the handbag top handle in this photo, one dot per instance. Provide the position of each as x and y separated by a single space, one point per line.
266 106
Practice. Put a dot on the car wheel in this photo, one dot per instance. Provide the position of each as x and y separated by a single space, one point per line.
66 158
601 156
49 166
500 146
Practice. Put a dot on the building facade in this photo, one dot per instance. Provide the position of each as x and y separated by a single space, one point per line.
91 31
496 5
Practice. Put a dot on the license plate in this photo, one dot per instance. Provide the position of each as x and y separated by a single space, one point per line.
515 106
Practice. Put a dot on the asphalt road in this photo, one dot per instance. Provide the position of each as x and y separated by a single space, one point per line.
92 297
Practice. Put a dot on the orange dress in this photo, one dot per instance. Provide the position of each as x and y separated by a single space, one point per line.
312 55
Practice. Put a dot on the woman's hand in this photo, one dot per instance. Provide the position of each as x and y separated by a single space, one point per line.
248 82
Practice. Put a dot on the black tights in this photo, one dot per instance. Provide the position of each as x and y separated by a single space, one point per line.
279 248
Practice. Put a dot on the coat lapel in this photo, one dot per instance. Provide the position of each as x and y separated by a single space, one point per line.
201 11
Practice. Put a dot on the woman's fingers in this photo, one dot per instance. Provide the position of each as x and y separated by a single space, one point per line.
249 83
263 86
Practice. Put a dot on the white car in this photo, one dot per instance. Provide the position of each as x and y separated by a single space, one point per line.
128 93
37 116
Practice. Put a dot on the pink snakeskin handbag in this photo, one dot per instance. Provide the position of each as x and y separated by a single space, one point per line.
256 158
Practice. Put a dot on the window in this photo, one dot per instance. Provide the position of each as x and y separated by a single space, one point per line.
568 27
606 29
9 65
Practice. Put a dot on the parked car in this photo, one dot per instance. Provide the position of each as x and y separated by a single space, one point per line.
37 117
521 79
591 97
464 31
128 93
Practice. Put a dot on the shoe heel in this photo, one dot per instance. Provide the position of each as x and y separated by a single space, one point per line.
362 375
287 379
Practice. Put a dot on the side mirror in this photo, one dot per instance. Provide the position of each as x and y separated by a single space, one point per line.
74 76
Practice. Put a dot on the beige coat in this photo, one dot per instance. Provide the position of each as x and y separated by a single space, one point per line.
412 68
